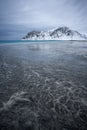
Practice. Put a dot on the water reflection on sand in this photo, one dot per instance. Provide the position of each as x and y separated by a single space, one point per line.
43 86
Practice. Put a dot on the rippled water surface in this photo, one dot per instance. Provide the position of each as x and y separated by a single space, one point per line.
43 86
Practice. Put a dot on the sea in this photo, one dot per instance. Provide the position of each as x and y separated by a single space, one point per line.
43 85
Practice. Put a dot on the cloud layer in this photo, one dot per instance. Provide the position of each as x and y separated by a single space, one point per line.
26 14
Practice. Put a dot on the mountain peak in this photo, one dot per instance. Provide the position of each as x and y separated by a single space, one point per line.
60 33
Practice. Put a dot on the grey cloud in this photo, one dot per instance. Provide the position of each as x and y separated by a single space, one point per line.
44 13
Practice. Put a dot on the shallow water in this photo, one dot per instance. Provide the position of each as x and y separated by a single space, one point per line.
43 86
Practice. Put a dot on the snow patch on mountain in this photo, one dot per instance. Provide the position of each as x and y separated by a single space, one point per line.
61 33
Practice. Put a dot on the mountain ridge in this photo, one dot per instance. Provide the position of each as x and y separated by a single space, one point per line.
60 33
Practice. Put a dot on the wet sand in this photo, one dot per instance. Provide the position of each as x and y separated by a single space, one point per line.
43 86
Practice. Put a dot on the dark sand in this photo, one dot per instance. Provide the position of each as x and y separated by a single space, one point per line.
43 86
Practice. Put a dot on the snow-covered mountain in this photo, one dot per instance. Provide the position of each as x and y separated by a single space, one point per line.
61 33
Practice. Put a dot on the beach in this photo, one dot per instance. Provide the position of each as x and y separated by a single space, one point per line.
43 85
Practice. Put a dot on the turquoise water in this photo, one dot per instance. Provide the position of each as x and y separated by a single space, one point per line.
14 41
26 41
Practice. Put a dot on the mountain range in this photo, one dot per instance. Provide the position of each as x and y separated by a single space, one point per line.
60 33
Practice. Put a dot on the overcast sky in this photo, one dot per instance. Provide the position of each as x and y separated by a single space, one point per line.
17 17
